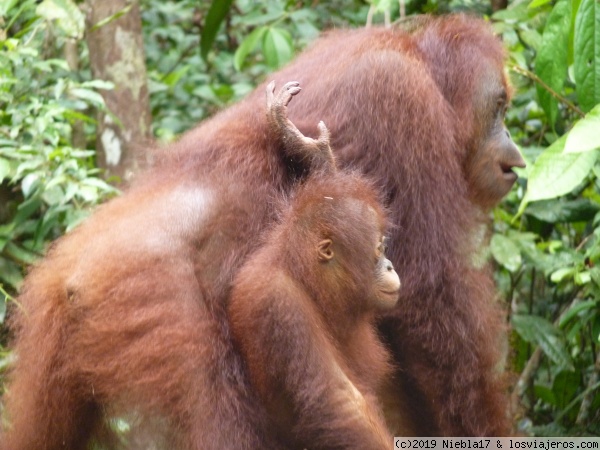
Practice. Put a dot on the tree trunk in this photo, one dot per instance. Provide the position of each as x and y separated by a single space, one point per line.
117 55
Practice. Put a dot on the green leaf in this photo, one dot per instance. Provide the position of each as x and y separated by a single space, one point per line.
100 184
517 12
88 193
6 5
67 15
3 301
574 10
26 209
86 94
173 78
562 210
74 217
217 12
582 278
10 273
537 330
544 393
277 47
53 195
506 252
98 84
587 54
532 38
29 184
552 60
556 173
585 135
565 387
275 12
382 5
561 274
207 93
20 254
536 3
247 45
6 234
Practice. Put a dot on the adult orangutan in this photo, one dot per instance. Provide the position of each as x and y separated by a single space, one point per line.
303 306
424 120
126 316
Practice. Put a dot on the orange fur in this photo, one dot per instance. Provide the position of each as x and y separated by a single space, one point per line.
126 316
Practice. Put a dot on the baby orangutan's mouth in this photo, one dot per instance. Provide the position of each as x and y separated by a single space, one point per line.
397 291
393 295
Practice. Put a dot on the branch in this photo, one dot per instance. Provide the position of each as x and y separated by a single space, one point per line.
556 95
525 379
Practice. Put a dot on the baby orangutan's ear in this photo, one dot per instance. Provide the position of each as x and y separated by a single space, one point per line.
325 251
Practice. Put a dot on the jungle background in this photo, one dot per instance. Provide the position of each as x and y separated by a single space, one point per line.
86 86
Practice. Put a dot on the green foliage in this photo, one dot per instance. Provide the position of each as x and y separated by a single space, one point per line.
238 50
47 185
537 330
65 15
216 14
557 172
551 61
584 135
587 54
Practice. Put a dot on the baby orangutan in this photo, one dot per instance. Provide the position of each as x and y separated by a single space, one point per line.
303 306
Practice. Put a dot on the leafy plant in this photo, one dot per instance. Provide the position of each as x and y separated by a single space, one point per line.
47 185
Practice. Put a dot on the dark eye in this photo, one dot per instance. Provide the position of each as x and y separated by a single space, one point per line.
501 106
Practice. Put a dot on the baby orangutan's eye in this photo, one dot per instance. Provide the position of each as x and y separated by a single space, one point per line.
384 244
381 248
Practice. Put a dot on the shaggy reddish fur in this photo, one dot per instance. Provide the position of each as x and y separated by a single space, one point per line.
127 314
306 327
409 123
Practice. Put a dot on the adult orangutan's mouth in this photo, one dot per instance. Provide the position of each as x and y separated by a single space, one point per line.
508 173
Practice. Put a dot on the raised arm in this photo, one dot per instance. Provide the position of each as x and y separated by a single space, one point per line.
313 153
